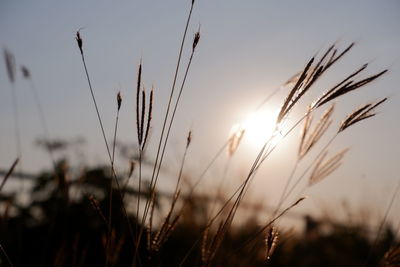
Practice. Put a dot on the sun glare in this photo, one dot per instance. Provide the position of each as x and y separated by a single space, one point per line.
258 127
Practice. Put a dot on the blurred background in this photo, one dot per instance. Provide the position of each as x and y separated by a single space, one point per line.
247 50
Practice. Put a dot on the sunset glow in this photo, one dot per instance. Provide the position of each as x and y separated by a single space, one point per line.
258 128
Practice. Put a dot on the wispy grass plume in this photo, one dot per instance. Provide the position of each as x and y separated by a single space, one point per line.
324 167
362 113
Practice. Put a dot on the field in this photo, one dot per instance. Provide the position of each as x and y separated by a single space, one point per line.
170 185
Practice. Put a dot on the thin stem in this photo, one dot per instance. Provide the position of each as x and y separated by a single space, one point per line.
268 152
223 147
111 187
235 206
172 118
309 167
171 95
139 190
221 183
266 99
164 232
17 131
213 160
8 174
181 171
268 225
43 121
199 180
281 198
147 205
382 223
108 149
115 137
256 164
97 110
6 256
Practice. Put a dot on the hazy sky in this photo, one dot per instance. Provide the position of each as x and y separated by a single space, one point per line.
247 49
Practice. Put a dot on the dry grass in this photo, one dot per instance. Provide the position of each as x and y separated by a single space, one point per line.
152 231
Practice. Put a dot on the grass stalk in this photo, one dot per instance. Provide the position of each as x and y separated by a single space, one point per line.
8 174
156 162
382 223
119 101
46 133
6 256
114 175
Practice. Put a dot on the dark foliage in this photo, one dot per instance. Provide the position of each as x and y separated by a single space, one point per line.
62 227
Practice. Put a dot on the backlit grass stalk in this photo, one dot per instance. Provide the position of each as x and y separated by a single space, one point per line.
119 102
156 162
169 224
6 256
345 86
309 137
139 137
26 74
361 113
234 142
80 46
239 193
271 222
143 130
226 223
228 142
160 156
308 77
195 42
382 223
153 186
11 71
8 174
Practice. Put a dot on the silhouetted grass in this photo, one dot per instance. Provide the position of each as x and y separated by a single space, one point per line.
92 220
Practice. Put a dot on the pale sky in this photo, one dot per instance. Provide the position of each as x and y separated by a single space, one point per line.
247 49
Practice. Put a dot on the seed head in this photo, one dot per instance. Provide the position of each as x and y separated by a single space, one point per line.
79 41
10 65
189 139
298 201
196 39
119 100
25 72
270 242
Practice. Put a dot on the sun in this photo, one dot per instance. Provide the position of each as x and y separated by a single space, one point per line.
257 128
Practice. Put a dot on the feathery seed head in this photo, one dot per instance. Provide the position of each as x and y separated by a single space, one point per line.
323 167
234 140
362 113
310 137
